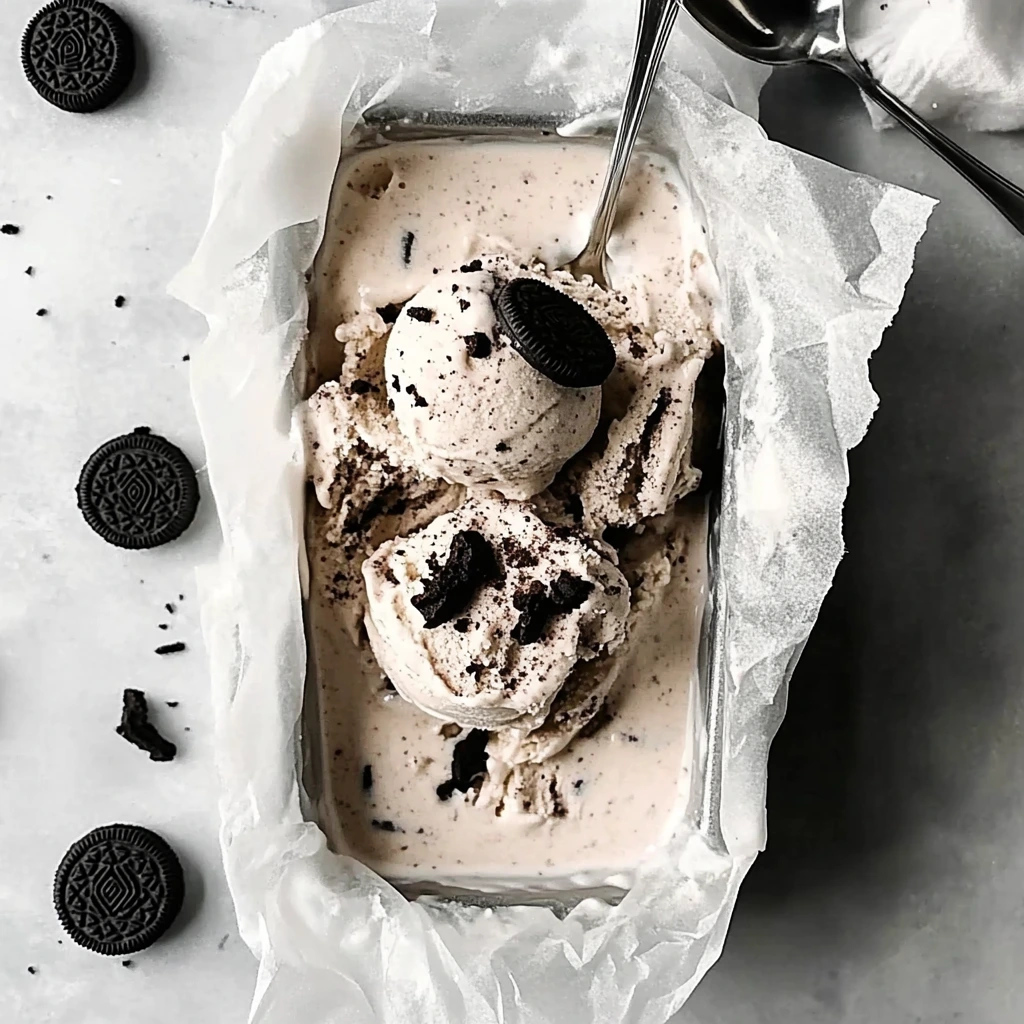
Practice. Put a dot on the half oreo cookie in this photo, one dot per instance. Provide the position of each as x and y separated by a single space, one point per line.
138 491
554 333
118 889
79 55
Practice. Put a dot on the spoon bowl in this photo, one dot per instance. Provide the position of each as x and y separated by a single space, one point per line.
769 31
784 32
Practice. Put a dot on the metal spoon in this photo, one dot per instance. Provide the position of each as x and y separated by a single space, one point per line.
813 31
655 26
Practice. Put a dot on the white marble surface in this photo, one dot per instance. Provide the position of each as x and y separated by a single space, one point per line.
79 620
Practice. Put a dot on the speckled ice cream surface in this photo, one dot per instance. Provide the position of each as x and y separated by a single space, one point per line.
433 775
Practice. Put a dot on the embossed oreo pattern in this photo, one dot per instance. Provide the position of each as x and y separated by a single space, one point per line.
78 55
118 889
138 491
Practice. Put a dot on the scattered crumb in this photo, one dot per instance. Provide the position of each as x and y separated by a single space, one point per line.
170 607
174 648
32 970
42 312
185 358
30 271
163 625
9 229
137 729
171 703
120 301
127 963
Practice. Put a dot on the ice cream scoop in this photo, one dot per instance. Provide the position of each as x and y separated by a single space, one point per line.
481 617
472 408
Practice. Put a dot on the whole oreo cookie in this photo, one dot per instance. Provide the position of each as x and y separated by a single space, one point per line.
554 333
118 889
78 55
138 491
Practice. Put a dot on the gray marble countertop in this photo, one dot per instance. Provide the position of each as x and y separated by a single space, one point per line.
893 887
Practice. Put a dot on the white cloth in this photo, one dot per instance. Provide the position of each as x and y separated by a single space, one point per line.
961 59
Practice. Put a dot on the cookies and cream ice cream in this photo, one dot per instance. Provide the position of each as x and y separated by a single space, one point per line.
482 616
472 409
506 574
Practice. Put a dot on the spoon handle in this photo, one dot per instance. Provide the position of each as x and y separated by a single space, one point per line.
1006 197
655 26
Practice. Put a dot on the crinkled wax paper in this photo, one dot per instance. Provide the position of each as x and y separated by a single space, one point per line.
812 262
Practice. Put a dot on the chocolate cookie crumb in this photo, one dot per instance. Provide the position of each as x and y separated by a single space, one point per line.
30 271
568 592
367 777
127 963
31 969
171 703
469 764
421 313
478 345
461 625
407 243
389 313
502 447
535 608
119 301
9 229
464 304
136 728
417 399
516 555
361 387
558 809
385 825
537 605
42 312
174 648
471 268
471 562
170 607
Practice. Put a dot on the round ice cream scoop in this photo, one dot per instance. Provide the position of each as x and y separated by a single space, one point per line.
481 617
472 408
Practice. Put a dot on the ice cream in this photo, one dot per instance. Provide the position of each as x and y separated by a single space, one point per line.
481 617
473 410
503 642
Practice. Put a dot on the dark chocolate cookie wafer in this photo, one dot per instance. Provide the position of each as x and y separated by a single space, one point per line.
554 333
78 55
118 889
138 491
